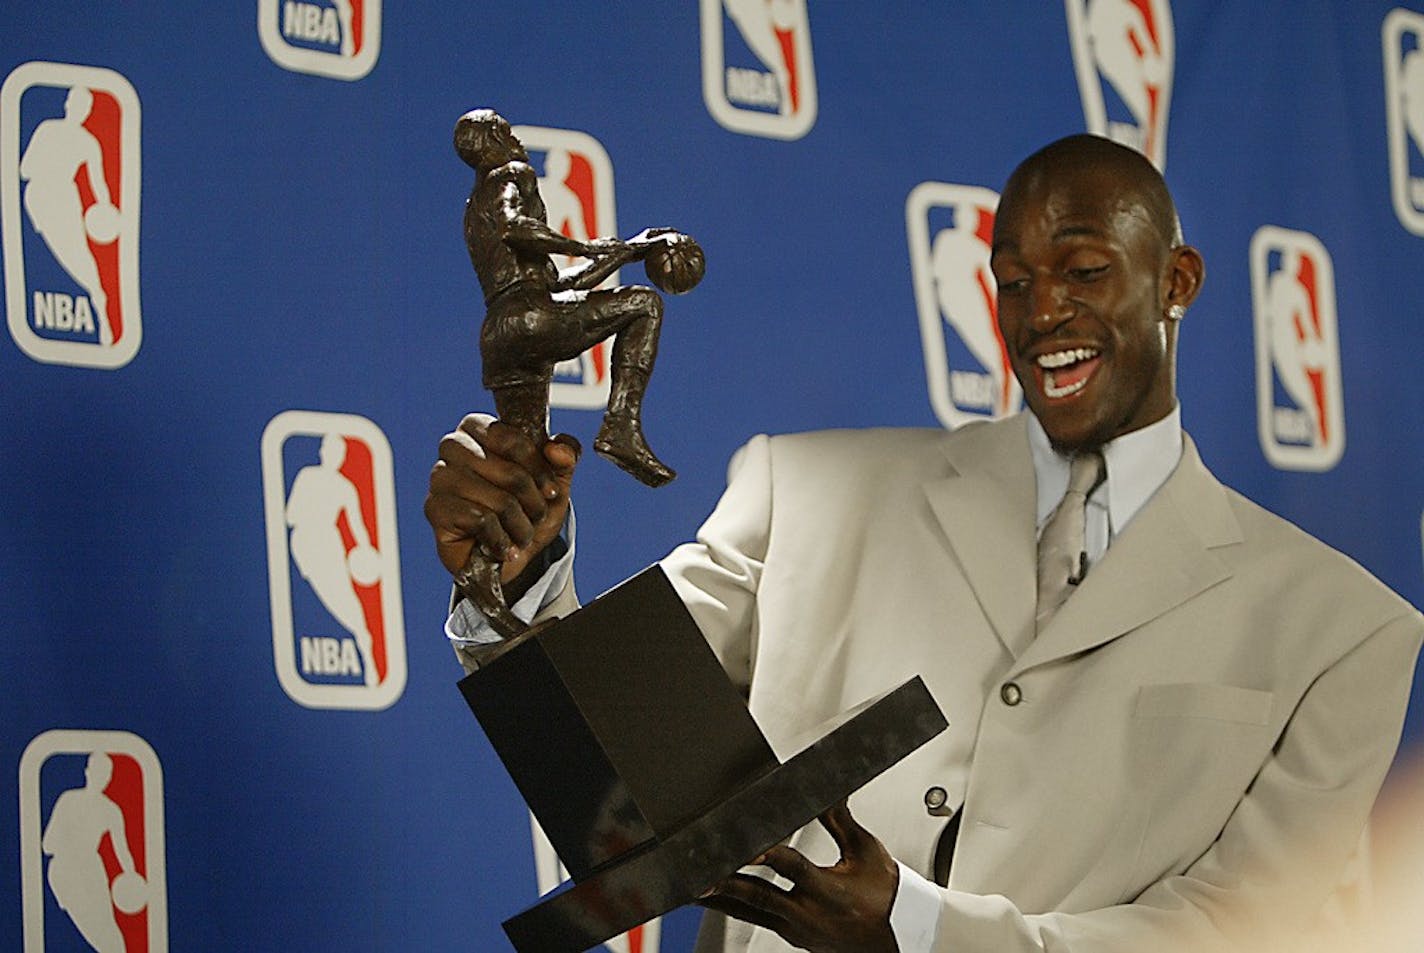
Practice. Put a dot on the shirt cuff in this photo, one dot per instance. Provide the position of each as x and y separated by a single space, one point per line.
467 626
914 916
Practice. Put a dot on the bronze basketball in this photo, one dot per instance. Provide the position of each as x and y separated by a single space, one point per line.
676 264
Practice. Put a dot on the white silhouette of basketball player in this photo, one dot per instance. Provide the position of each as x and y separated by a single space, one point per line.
320 494
964 287
57 151
1411 94
344 14
566 216
1130 59
1296 341
564 207
759 21
79 821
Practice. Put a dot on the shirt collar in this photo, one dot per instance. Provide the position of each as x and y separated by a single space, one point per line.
1137 463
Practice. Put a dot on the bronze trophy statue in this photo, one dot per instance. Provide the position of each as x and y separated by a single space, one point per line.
536 316
649 796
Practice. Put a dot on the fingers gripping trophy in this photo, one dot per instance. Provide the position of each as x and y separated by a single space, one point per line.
537 316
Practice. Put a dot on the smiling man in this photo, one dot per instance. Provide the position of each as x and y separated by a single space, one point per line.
1093 279
1170 711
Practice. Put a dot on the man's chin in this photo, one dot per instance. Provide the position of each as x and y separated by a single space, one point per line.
1068 433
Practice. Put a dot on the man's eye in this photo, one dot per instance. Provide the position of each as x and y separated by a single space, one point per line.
1013 286
1087 274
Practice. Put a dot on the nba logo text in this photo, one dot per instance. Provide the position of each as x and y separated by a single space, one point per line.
338 631
757 74
91 844
1403 37
1124 55
69 221
576 185
336 38
1300 412
950 228
550 873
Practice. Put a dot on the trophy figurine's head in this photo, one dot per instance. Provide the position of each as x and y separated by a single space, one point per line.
485 141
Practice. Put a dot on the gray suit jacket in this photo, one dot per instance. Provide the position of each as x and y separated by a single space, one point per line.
1201 729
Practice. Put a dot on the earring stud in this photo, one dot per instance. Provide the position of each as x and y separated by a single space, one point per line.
1176 313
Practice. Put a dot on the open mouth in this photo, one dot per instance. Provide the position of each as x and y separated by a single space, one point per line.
1064 373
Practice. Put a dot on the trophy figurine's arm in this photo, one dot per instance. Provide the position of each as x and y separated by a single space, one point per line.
530 236
607 255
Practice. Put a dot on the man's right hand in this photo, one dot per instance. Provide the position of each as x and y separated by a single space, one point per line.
495 488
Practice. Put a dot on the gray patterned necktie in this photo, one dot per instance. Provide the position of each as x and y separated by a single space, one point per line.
1062 547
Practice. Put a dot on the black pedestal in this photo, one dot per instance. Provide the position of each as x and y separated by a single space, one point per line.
640 761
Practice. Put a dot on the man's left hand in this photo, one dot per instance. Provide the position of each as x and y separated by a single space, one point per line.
844 908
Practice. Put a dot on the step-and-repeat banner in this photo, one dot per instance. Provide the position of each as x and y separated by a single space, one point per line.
240 315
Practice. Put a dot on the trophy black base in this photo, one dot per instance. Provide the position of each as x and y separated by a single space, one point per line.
639 759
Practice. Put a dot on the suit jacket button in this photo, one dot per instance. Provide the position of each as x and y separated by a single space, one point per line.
935 799
1011 694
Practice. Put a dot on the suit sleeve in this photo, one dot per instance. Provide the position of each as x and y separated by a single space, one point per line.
717 575
1274 865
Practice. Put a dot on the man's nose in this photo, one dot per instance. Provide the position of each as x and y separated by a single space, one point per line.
1051 307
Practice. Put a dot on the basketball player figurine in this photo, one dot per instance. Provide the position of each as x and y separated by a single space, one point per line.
536 316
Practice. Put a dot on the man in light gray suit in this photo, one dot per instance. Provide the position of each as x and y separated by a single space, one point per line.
1174 747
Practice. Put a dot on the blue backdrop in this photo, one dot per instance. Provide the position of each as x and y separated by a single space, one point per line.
234 264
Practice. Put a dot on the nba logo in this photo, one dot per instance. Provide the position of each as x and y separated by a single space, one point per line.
338 634
336 38
1403 36
1300 412
757 74
576 184
91 844
69 189
967 367
1123 51
550 873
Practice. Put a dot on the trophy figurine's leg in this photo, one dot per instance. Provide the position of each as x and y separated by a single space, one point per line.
524 406
621 439
479 582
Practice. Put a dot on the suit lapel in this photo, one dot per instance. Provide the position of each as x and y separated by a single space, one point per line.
1163 558
986 510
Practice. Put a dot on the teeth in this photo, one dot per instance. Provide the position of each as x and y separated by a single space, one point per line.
1051 390
1064 358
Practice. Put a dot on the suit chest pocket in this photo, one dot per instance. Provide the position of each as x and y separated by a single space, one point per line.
1196 737
1204 700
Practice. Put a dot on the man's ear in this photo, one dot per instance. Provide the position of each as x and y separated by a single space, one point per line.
1185 273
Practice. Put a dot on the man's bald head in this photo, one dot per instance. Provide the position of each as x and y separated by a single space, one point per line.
1093 279
1094 156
